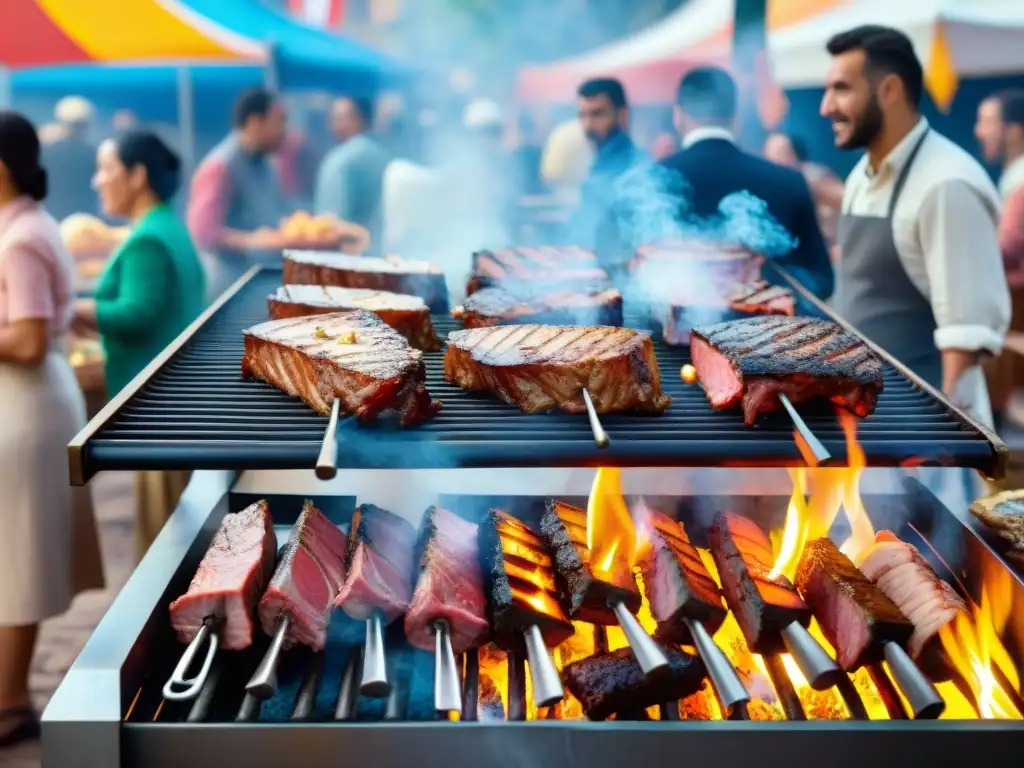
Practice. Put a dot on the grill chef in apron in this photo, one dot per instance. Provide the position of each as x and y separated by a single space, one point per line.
920 270
236 202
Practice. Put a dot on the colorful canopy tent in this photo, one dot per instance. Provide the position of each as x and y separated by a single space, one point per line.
650 62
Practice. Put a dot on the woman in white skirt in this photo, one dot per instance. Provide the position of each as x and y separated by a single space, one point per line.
47 540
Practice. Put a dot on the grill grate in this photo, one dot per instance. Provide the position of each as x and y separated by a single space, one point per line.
196 412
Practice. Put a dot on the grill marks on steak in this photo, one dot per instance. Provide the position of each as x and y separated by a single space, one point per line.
418 278
230 579
379 563
752 361
353 356
677 583
450 584
909 581
515 304
614 683
540 367
763 606
552 264
519 583
408 315
855 615
584 596
761 298
310 573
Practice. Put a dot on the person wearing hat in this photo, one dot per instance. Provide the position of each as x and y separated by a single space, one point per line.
49 548
71 156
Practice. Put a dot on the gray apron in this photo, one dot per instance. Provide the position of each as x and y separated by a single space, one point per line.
876 295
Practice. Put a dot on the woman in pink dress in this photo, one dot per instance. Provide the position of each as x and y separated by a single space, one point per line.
41 409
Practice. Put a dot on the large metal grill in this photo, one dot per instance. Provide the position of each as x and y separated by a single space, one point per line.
191 410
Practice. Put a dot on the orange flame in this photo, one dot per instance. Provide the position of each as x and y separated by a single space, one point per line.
611 538
818 495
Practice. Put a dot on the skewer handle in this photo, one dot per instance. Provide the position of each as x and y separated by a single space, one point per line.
192 685
263 683
375 674
601 439
814 452
647 652
817 666
327 461
925 702
547 687
724 679
447 690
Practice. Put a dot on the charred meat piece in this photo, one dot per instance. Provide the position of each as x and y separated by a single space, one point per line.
450 585
678 584
752 361
408 315
1003 513
519 583
700 259
230 579
763 606
561 264
613 683
906 578
417 278
760 298
380 565
519 303
855 615
583 595
306 581
352 356
540 367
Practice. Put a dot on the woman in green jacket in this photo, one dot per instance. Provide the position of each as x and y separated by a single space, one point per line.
151 290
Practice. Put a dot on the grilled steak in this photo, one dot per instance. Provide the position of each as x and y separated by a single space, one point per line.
763 606
614 683
553 264
417 278
450 585
518 303
752 361
703 259
909 581
519 583
408 315
310 573
678 584
352 356
760 298
583 595
855 615
380 565
230 579
540 367
1003 513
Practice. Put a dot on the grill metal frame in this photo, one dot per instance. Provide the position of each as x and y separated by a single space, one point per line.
189 409
83 726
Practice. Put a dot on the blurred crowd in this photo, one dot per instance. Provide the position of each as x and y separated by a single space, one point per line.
917 247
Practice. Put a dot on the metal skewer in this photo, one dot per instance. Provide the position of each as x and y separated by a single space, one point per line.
192 685
327 461
375 674
447 690
815 665
547 686
263 683
647 652
601 439
813 450
925 702
724 678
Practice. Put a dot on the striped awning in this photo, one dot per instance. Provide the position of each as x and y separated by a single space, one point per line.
43 32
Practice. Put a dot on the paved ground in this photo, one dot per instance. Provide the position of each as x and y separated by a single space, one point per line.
63 637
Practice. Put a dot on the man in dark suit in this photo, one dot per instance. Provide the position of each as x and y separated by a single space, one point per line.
714 167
